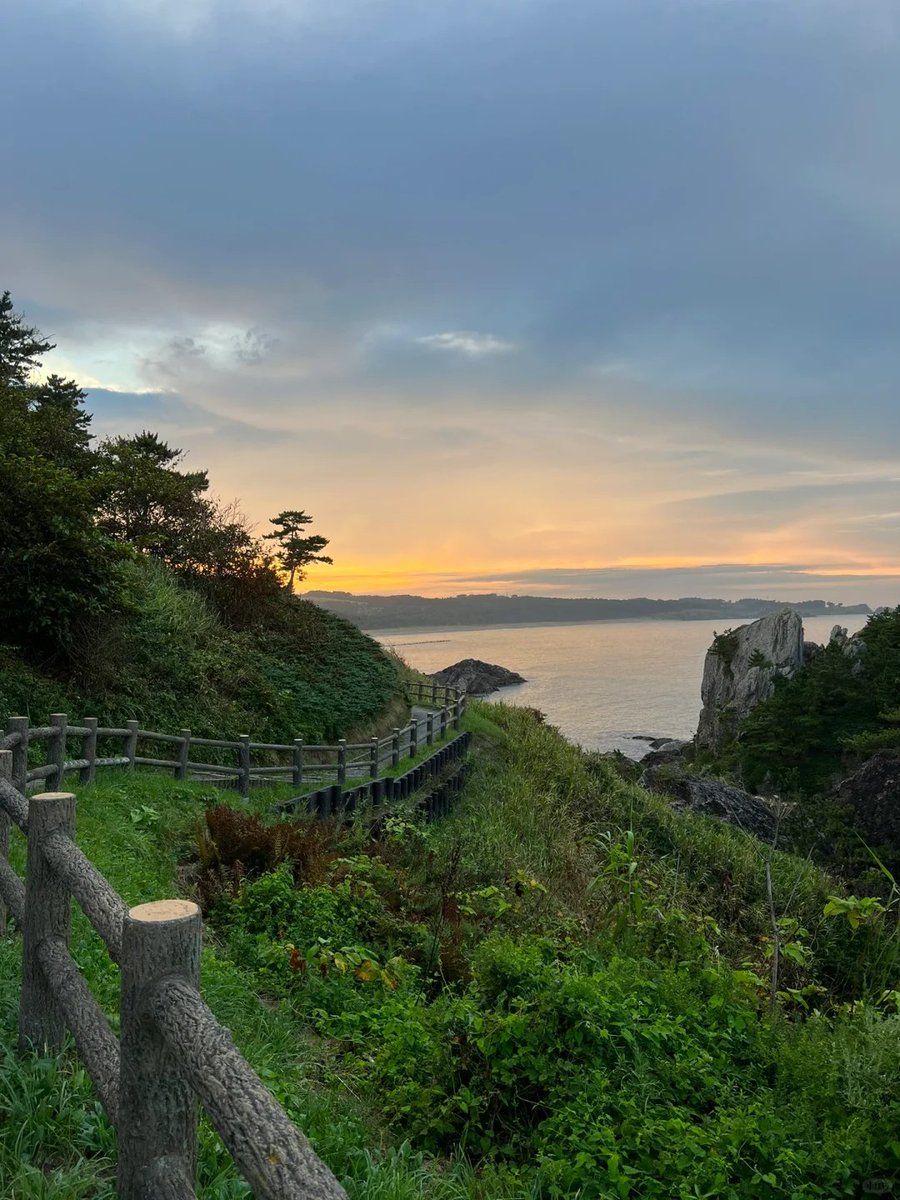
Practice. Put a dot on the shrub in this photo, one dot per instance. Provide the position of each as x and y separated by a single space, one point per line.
232 846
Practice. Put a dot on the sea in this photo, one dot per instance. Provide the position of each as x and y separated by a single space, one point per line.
607 685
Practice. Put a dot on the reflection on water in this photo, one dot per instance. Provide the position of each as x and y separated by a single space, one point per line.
601 683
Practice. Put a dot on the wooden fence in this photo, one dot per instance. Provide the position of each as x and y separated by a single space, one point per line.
297 763
437 777
171 1051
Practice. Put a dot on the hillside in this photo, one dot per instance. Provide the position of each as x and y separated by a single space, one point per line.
561 989
171 663
130 592
399 612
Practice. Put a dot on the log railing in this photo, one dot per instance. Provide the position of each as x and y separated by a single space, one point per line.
297 762
171 1051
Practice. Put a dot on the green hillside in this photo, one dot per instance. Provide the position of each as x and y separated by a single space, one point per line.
170 662
131 592
563 989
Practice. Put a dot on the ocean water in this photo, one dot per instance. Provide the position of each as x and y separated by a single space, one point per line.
601 683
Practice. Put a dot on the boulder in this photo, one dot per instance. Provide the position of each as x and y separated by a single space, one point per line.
670 751
871 796
740 670
476 677
810 650
712 798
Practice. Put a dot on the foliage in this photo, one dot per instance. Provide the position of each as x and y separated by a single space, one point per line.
137 594
55 1142
296 551
145 500
839 704
580 1004
21 346
233 846
58 568
724 646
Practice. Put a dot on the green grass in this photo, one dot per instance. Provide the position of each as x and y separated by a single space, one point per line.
170 663
563 939
55 1142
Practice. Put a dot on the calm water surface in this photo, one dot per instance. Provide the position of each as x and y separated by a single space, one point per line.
601 683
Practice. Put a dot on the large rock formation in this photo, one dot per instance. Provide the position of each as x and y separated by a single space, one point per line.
712 798
853 647
740 670
476 677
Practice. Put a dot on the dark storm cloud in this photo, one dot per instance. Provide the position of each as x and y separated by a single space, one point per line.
634 265
705 192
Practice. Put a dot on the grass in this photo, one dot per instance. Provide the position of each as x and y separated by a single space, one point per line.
535 808
170 663
55 1142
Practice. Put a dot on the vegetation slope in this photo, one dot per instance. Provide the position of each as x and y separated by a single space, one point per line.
129 592
562 990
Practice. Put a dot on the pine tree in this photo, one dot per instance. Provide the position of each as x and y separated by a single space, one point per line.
296 551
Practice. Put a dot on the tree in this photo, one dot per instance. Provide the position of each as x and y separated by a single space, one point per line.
21 346
225 562
296 551
146 501
57 568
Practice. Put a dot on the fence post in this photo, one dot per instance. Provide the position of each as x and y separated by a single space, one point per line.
373 759
434 695
5 773
20 752
184 754
157 1109
395 748
298 762
56 748
457 713
244 764
48 911
131 742
342 761
429 729
88 774
444 722
413 737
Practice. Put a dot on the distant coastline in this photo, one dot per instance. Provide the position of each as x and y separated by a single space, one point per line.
411 614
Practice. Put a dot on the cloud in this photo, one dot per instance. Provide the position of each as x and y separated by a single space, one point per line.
632 267
472 345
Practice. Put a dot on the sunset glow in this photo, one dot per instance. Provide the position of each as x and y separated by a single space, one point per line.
577 330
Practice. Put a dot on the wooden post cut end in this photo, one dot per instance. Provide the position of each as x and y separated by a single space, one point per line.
164 910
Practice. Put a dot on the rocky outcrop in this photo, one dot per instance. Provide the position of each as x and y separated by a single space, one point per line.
669 751
740 670
476 677
872 797
810 650
852 646
711 798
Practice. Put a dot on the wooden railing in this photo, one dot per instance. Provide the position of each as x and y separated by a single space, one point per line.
301 763
437 777
171 1050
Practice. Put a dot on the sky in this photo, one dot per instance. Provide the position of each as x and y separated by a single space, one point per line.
570 297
